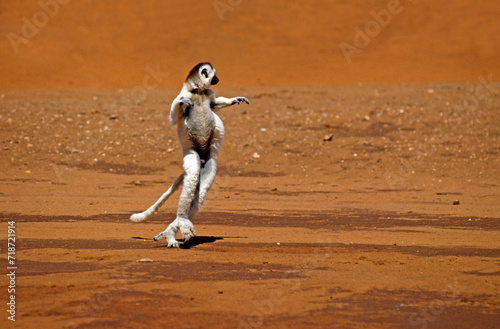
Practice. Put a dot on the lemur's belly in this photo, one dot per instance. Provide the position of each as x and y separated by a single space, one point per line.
200 126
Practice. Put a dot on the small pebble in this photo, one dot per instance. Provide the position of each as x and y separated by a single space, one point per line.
456 202
145 260
328 137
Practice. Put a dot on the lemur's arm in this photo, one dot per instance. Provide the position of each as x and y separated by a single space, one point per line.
180 106
221 102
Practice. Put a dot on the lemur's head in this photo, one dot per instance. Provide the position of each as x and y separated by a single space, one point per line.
202 76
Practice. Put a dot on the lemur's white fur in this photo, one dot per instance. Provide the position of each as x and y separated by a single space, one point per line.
200 133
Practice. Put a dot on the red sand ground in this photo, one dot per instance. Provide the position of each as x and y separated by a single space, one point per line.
335 206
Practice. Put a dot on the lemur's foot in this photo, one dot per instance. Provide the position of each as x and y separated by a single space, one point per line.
187 229
169 234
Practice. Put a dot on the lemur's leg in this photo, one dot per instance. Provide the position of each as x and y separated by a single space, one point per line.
191 180
207 177
191 183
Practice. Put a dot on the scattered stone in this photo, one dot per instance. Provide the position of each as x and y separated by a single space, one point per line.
328 137
145 260
138 183
456 202
256 155
113 117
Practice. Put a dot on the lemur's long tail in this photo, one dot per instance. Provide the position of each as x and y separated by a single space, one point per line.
142 216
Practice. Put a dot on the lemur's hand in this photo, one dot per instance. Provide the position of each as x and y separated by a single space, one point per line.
185 103
238 100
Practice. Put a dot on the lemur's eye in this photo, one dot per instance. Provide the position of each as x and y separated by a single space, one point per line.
204 72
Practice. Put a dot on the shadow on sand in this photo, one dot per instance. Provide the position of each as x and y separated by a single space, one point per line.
197 240
193 242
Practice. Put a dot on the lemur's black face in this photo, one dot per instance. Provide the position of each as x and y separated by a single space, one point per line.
214 81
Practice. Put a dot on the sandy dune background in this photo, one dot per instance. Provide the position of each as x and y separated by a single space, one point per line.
359 189
109 44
